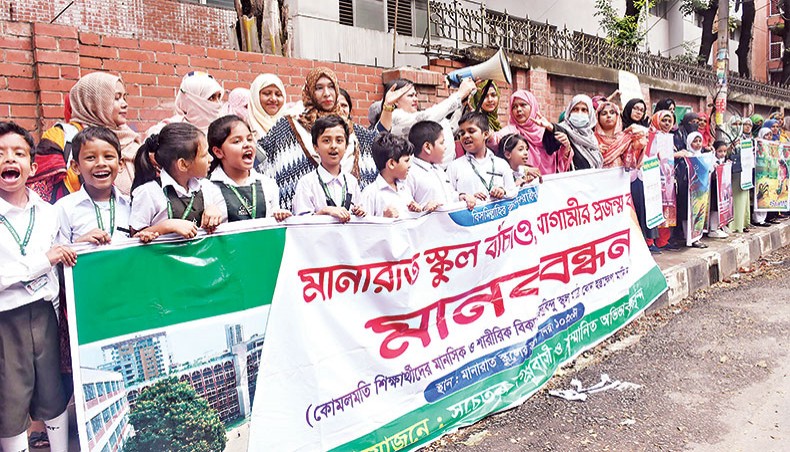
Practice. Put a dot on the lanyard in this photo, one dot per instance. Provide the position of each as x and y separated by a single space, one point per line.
187 210
490 184
253 210
99 220
329 201
22 243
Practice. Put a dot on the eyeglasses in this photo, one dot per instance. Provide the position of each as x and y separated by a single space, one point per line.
638 108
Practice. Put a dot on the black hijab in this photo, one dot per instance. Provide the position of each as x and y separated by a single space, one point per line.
627 121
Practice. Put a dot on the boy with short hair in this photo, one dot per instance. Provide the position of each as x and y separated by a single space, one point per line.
97 212
427 181
329 190
30 381
480 171
388 196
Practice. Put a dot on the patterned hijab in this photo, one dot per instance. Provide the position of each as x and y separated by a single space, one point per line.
655 120
260 121
237 104
312 109
583 138
476 99
92 101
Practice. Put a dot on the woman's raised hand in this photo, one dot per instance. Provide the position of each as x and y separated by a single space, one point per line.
394 95
467 87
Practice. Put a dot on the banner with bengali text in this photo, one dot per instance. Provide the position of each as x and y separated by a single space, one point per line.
724 193
386 336
699 177
771 171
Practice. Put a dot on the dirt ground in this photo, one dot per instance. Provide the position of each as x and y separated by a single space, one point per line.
713 372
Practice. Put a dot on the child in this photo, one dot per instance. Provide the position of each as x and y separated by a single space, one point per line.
427 181
514 149
181 198
716 230
31 385
328 190
97 212
479 171
247 193
388 196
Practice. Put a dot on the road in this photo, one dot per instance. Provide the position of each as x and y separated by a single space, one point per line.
713 372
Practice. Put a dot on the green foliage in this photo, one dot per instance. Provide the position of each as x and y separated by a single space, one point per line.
170 417
690 6
621 31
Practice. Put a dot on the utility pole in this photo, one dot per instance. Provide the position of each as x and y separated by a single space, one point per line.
722 65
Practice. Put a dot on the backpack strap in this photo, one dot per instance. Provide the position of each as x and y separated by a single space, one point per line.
69 132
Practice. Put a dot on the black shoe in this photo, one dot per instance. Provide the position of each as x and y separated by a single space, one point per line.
671 247
762 225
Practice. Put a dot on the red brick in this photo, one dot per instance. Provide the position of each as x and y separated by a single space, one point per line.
52 111
51 98
121 65
92 63
17 97
234 65
114 41
21 84
166 80
69 45
8 42
5 111
189 50
27 123
18 56
18 70
303 63
18 29
45 42
222 54
70 72
204 63
48 70
60 31
46 84
156 68
139 78
156 46
90 38
154 115
143 102
158 91
25 111
135 55
260 68
368 70
250 56
100 52
171 58
224 75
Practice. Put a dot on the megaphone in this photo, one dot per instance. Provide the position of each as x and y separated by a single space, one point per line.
496 68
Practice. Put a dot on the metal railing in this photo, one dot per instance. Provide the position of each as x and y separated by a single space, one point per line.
467 27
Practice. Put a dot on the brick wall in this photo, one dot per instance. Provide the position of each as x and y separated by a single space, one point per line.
161 20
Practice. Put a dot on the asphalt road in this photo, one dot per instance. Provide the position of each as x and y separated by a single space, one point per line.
713 372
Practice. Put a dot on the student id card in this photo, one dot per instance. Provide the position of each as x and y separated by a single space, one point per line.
35 285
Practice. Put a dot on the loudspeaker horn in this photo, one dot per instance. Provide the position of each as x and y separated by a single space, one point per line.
496 68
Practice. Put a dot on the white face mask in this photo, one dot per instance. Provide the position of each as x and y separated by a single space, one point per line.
579 120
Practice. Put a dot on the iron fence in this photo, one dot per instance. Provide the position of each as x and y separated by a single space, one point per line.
467 27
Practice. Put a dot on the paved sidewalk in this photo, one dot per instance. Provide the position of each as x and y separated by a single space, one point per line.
690 269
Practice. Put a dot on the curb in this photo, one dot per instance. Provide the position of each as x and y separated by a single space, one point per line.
705 268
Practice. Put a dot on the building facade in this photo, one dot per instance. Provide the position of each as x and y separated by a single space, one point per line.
138 359
106 409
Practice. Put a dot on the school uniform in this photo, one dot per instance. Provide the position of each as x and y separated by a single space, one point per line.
257 197
78 214
318 189
159 200
30 365
429 182
379 195
470 175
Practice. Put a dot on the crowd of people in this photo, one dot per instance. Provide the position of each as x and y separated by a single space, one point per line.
256 156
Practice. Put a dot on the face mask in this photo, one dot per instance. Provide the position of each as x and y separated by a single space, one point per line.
579 120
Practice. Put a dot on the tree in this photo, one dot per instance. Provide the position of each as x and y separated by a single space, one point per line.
708 10
745 41
623 31
170 416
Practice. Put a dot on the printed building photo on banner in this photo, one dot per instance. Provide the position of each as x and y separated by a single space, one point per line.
699 171
771 193
170 360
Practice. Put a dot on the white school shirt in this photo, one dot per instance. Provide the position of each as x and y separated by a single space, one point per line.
77 216
33 269
491 168
309 195
149 203
379 195
429 182
271 192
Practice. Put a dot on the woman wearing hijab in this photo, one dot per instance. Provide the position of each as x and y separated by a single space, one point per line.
740 198
663 121
635 112
774 127
692 147
288 147
267 97
523 113
576 133
757 124
237 104
488 106
618 147
688 124
707 129
198 102
97 99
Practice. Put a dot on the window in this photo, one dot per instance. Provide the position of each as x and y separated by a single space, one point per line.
90 392
371 14
106 415
403 9
89 430
224 4
660 9
775 7
100 389
775 47
96 423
